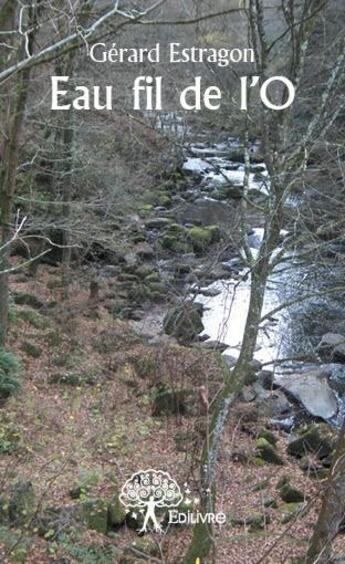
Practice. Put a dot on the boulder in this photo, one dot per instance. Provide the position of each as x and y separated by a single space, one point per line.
157 223
313 469
207 212
140 549
202 237
318 439
144 251
271 404
256 521
184 321
22 504
332 345
312 390
23 298
290 511
169 402
268 452
247 394
268 435
94 515
214 345
290 494
230 360
116 512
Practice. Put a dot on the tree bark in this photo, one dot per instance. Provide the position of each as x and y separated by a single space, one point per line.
332 511
14 114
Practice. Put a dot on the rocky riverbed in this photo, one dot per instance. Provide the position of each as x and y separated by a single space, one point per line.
191 242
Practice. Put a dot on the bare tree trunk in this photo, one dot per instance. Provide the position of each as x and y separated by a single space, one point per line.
202 542
15 115
332 510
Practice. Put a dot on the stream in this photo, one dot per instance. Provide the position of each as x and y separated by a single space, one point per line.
294 331
214 173
225 313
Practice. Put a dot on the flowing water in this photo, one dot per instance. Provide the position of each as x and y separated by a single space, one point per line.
225 313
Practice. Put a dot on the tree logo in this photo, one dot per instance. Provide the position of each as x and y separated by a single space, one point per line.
149 490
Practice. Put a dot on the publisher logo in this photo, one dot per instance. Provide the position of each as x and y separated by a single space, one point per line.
148 491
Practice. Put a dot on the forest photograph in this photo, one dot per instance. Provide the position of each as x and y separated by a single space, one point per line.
172 266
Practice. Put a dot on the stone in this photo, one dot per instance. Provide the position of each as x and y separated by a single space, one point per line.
144 250
272 405
207 212
94 514
116 512
31 350
210 292
22 504
290 511
333 346
268 452
290 494
22 298
157 223
184 321
170 402
202 237
230 361
265 378
269 436
256 521
248 394
269 501
313 469
318 439
214 345
140 549
312 390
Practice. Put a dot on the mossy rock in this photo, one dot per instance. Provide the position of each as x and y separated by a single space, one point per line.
262 485
268 452
34 318
146 271
290 494
173 243
22 505
169 402
269 501
116 512
23 298
202 237
312 469
317 438
140 549
94 515
67 378
269 436
228 192
256 521
53 339
163 200
31 350
184 321
177 230
10 435
153 277
157 287
289 511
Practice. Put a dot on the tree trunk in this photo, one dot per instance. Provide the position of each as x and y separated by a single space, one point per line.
202 543
332 511
8 173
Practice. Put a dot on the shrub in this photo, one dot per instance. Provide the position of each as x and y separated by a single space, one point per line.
9 370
